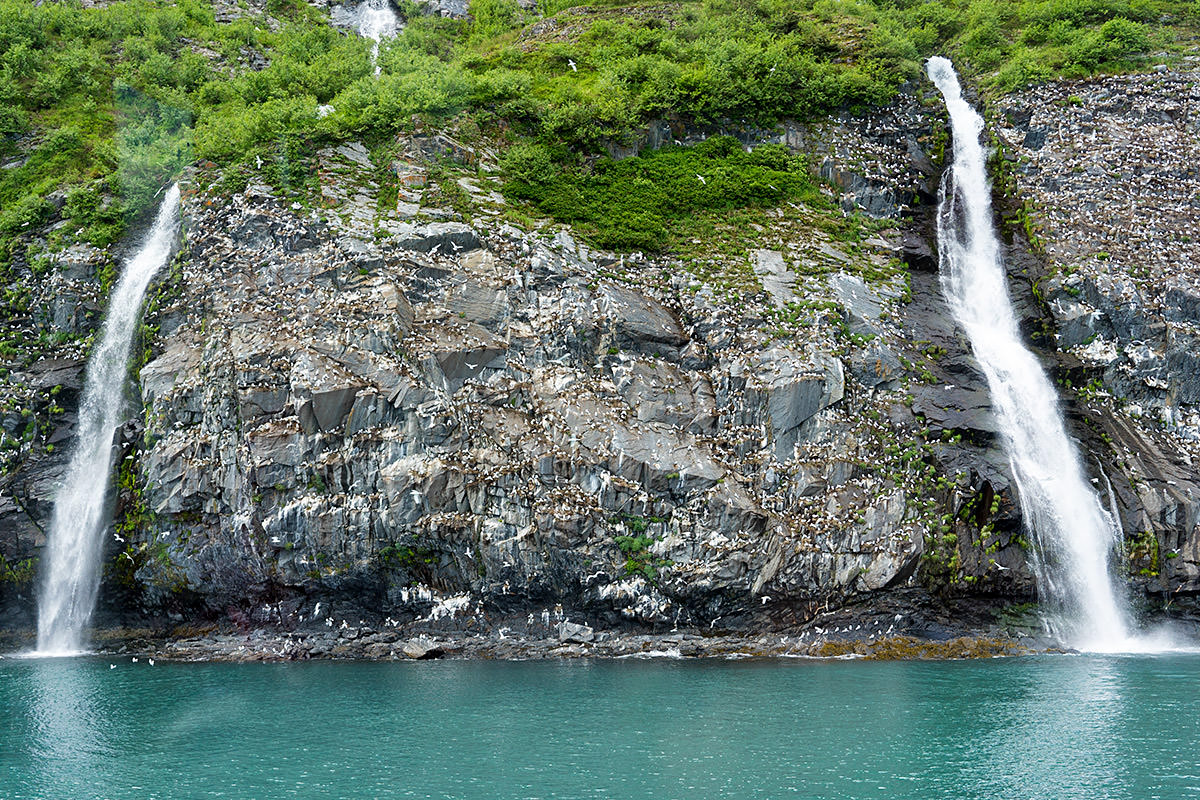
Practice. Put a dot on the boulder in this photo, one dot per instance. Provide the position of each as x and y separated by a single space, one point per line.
421 649
1183 365
80 262
573 632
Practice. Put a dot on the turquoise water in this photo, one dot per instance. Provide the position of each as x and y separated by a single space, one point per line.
1048 727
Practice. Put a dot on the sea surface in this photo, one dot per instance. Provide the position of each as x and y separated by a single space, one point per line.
1056 727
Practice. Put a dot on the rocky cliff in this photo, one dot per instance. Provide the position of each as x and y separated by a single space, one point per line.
415 410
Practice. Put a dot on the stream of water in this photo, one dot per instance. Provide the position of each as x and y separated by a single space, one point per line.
373 19
1074 535
71 571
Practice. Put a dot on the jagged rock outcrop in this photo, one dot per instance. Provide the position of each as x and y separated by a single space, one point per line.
364 408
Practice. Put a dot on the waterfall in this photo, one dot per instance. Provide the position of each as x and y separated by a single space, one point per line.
71 575
1074 536
376 20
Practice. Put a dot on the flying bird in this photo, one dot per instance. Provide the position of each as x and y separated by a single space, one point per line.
571 64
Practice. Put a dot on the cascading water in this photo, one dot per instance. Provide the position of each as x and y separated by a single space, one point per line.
72 570
376 20
1074 535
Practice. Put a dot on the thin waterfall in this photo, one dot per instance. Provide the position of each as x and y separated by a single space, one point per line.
377 20
71 574
1074 536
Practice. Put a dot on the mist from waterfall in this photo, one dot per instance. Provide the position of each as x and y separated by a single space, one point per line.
1074 535
71 564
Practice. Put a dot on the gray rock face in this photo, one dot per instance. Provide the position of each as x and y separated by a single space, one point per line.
365 410
877 365
1123 241
638 321
795 388
452 415
956 407
442 237
573 632
777 279
862 306
659 391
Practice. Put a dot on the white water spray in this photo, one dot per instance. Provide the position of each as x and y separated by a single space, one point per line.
1074 535
376 20
72 571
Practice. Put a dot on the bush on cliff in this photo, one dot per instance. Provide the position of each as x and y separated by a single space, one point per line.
630 204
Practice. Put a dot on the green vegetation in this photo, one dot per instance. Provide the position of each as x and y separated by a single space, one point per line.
398 556
1144 557
638 559
636 548
18 573
113 102
134 513
630 204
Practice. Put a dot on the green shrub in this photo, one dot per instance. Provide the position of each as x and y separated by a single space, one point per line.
122 97
1118 40
492 18
631 204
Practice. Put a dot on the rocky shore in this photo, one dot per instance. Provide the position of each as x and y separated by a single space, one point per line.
567 640
907 624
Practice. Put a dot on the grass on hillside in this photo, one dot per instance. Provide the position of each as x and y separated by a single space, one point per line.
109 103
632 204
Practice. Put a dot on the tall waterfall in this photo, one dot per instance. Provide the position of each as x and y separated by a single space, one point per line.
1074 536
71 574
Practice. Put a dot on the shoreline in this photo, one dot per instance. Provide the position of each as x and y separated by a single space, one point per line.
570 642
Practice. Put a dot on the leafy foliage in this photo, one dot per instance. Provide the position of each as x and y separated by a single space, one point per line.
629 204
114 101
